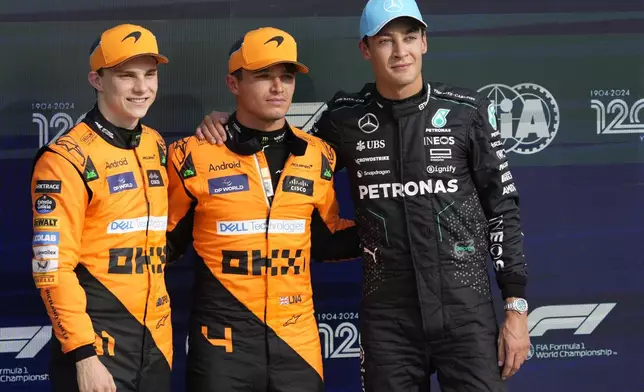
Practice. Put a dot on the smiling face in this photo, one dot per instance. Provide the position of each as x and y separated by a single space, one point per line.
264 96
126 92
396 54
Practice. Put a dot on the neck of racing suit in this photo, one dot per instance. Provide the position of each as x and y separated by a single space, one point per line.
407 106
116 136
276 145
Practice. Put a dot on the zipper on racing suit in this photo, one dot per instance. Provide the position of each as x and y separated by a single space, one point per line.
147 268
267 192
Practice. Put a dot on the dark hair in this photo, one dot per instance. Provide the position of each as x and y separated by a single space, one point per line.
235 47
100 73
414 25
95 44
237 74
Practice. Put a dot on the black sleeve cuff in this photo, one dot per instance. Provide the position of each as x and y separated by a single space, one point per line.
178 240
513 290
512 285
82 352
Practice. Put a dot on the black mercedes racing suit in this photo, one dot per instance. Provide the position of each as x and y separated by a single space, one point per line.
433 196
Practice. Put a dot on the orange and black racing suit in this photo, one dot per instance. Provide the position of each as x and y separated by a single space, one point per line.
99 218
252 325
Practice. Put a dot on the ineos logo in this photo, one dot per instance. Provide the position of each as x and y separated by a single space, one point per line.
368 123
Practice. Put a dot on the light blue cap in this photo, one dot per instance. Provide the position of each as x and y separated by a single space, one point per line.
377 13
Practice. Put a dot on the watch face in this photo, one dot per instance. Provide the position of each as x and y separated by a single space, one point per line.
521 305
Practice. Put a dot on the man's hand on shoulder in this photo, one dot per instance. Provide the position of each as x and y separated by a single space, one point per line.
514 342
212 128
93 376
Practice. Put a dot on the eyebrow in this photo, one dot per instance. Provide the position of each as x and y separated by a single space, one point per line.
128 71
266 71
409 31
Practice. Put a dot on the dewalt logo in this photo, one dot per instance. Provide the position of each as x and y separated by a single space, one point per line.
46 223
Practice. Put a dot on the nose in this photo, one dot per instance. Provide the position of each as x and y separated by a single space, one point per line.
400 49
277 87
139 86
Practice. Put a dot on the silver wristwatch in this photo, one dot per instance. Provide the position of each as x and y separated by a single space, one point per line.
519 305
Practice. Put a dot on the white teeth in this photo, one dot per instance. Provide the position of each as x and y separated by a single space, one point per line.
137 100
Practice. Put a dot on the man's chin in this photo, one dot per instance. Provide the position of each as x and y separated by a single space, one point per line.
274 116
404 79
137 113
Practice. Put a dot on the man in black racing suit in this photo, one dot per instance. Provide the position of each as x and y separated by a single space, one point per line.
433 194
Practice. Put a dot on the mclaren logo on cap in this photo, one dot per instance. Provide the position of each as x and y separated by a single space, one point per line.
135 34
278 38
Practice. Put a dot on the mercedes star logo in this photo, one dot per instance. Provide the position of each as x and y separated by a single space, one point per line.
393 5
368 123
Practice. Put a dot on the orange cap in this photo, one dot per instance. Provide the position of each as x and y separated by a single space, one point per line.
122 43
262 48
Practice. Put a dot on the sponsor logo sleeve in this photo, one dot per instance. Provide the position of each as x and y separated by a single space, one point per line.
180 208
499 199
326 129
332 238
59 202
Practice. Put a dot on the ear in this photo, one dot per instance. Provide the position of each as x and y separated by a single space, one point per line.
424 47
95 80
233 84
364 50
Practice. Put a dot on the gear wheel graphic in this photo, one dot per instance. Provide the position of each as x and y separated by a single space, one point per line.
518 94
536 91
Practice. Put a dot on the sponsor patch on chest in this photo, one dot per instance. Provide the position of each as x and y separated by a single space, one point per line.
298 185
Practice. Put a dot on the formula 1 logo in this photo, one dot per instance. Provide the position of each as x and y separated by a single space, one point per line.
528 113
26 341
582 318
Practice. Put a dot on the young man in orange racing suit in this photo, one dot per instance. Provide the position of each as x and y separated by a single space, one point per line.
261 207
434 196
100 219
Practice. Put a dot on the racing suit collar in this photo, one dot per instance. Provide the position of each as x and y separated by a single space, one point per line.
405 107
116 136
239 143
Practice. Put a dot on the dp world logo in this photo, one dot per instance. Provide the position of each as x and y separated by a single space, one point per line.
528 114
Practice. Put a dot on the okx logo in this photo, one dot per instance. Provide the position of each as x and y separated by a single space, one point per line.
528 116
25 341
